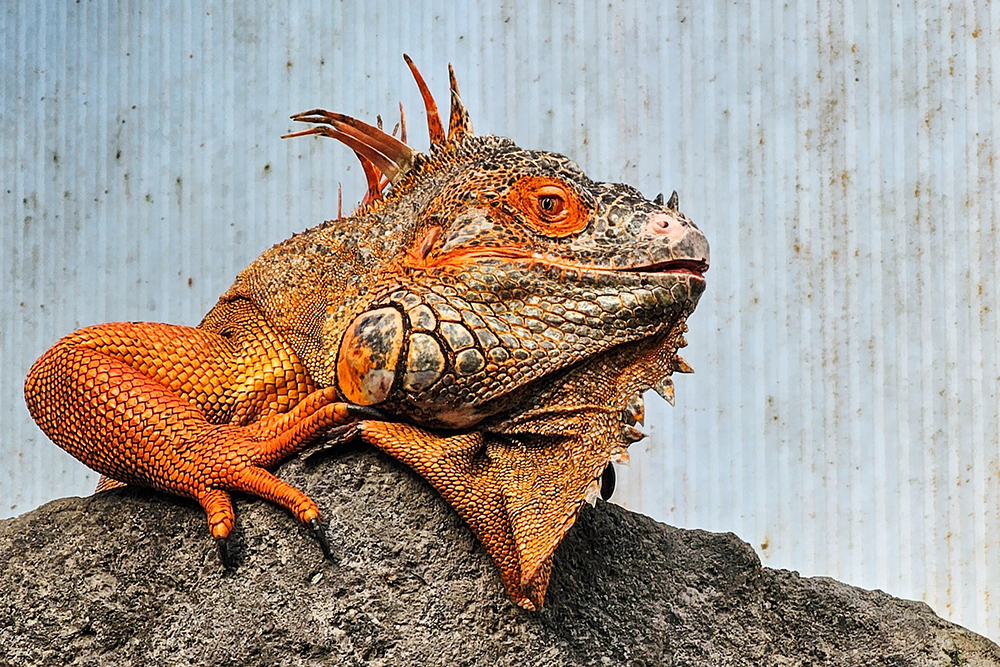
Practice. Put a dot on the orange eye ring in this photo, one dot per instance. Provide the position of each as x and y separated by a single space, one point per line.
549 207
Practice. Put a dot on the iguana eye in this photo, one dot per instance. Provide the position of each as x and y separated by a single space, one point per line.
550 207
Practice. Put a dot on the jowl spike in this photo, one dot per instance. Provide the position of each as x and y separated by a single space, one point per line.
636 409
682 366
665 388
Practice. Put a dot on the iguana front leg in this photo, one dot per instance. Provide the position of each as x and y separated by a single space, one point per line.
186 411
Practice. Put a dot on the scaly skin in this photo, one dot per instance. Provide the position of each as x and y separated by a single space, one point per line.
491 318
185 411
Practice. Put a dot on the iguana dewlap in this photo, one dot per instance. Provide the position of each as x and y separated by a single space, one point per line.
489 316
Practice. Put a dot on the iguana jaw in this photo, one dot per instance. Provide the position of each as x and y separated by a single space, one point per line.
466 334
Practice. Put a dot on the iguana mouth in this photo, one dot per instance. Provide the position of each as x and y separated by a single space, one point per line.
464 256
688 266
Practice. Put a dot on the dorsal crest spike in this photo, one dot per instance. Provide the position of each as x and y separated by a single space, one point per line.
673 202
402 124
373 179
435 129
459 124
390 155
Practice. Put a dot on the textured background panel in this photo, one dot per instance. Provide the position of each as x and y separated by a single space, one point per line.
839 155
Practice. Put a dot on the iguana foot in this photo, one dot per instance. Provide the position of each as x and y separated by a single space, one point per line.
229 560
232 458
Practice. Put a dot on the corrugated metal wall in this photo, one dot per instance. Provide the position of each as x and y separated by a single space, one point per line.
841 157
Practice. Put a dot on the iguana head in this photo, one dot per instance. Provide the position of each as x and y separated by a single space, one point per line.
514 265
517 301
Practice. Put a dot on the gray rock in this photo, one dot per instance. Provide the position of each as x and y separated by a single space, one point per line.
131 577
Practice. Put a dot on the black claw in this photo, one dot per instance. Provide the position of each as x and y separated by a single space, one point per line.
224 553
364 412
317 530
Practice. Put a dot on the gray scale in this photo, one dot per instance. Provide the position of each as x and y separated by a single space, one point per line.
447 313
424 362
456 336
487 338
422 318
469 362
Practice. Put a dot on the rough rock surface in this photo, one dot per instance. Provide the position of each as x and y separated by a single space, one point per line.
130 577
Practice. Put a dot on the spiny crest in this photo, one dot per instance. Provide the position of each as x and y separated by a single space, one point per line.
434 127
381 153
392 157
673 203
459 125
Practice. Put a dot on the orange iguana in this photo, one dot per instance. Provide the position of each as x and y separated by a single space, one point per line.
488 315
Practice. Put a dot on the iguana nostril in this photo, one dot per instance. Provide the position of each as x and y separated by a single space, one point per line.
662 225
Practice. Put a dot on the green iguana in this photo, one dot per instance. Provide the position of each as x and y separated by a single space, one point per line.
488 315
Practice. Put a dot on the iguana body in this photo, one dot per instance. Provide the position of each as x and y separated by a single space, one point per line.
490 320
